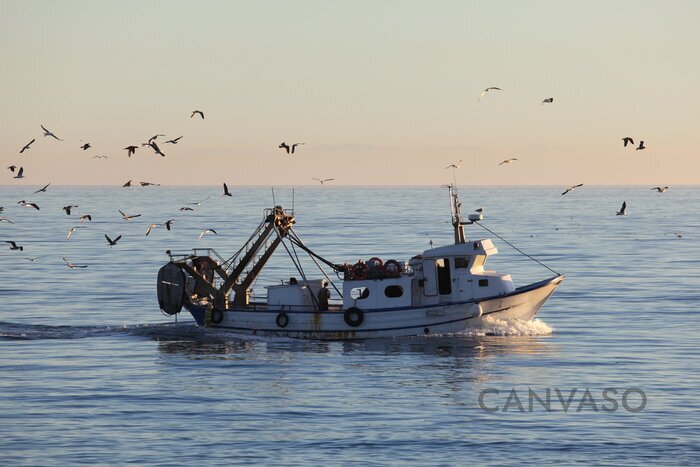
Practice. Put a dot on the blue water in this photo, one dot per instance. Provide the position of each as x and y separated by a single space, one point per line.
92 373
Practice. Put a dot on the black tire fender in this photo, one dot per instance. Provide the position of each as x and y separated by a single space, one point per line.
217 316
353 316
282 320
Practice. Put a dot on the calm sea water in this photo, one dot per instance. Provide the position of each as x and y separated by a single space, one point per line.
92 373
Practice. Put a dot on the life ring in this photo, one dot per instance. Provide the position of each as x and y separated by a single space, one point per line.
358 271
282 320
217 316
353 317
393 268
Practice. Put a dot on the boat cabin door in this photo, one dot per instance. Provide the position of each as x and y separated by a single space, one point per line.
429 278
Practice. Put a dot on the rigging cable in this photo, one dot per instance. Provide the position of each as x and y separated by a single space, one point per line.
516 248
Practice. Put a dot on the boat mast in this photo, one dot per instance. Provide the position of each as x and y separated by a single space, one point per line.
456 215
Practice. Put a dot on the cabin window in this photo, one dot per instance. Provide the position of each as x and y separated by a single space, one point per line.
483 282
462 262
359 293
443 275
393 291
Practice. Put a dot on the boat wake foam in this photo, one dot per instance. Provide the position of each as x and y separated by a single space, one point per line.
508 327
17 331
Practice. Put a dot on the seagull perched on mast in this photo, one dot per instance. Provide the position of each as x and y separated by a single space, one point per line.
572 188
26 146
48 133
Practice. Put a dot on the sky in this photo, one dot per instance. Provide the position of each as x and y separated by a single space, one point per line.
380 92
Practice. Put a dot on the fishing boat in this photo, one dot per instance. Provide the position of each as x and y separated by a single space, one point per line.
442 290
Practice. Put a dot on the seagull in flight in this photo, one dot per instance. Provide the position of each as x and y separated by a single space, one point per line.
112 242
151 227
152 139
85 146
492 88
199 202
23 203
454 165
127 217
26 146
508 161
14 246
5 219
20 174
127 184
226 192
197 112
68 208
173 141
155 147
86 217
42 189
100 157
572 188
660 189
48 133
622 210
322 181
641 146
131 149
480 210
288 148
548 100
204 232
149 184
168 223
12 168
33 259
70 232
74 266
186 208
627 140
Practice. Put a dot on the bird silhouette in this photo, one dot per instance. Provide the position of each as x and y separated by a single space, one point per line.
492 88
112 242
627 140
323 181
40 190
204 232
127 184
173 141
168 223
455 165
68 208
127 217
151 227
25 204
226 192
85 146
131 150
48 133
197 112
622 210
288 148
26 146
14 246
508 161
155 147
548 100
74 266
20 173
660 189
641 146
86 217
73 229
572 188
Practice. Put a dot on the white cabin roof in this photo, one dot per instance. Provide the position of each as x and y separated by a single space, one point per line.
475 247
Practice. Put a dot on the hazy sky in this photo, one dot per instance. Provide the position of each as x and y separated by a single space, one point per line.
381 92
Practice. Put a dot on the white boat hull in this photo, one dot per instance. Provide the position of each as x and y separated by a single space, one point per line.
448 318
